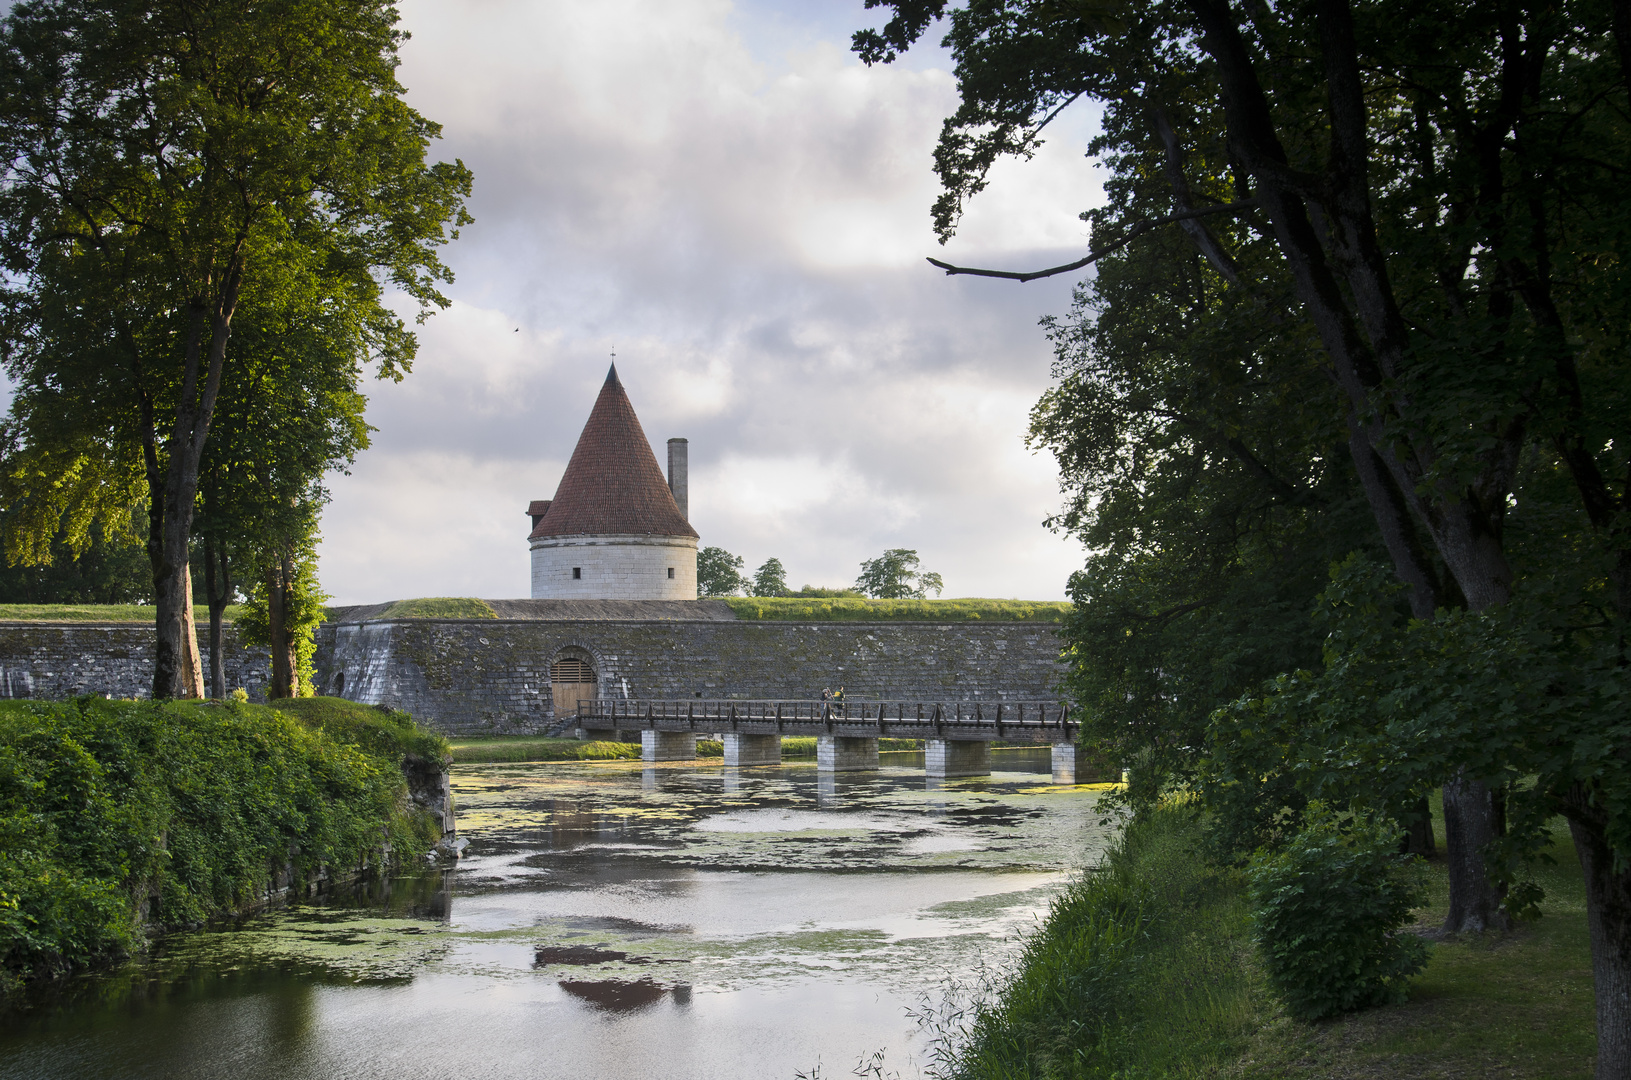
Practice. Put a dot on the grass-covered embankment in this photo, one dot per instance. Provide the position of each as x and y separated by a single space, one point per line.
859 609
121 817
538 748
97 613
1146 968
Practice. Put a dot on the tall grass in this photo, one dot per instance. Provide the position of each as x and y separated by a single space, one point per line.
1140 970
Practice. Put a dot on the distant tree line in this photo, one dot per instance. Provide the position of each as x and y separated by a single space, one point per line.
894 575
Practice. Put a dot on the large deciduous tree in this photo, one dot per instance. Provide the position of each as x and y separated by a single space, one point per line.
167 164
1439 187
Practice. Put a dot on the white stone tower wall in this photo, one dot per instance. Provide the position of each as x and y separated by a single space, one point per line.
614 568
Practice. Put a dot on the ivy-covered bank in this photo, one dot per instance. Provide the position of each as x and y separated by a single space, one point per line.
123 818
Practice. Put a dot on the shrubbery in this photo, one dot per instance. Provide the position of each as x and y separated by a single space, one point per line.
1327 911
120 814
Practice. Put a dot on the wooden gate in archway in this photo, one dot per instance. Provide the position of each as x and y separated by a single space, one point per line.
571 680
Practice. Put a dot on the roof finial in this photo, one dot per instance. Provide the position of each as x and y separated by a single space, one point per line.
611 374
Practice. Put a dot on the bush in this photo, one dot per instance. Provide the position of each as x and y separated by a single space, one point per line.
1327 912
116 814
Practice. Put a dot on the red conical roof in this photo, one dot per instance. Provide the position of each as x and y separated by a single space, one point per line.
612 485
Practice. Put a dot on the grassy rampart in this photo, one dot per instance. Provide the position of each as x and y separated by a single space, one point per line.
439 607
118 818
1146 968
857 609
131 613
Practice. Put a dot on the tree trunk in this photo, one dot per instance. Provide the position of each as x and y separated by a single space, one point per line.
1472 822
1608 915
1418 838
192 669
171 596
217 598
277 630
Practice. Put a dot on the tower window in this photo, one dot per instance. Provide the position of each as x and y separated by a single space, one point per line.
671 572
577 573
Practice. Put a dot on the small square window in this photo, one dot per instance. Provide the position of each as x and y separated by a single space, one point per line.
577 573
671 572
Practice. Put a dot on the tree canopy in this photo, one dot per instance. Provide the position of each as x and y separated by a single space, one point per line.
895 575
168 165
719 573
1378 251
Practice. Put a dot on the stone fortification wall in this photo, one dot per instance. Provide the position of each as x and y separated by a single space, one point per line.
492 675
61 660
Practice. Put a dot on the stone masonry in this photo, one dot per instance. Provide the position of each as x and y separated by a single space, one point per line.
62 660
491 676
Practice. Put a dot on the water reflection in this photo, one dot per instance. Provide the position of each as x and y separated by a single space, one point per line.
608 920
624 996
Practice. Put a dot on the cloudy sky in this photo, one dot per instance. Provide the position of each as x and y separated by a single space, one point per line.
721 193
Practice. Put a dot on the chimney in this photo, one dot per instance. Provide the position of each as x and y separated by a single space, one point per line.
677 470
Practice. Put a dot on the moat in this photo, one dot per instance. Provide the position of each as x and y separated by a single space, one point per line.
612 920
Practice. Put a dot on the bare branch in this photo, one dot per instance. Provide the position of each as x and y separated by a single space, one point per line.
1093 256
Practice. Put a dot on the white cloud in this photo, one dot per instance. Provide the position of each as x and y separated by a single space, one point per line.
739 208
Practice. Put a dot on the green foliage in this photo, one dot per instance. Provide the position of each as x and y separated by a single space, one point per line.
857 609
1529 695
1328 910
440 607
710 748
894 575
770 579
817 590
112 568
388 734
301 597
115 814
202 199
719 573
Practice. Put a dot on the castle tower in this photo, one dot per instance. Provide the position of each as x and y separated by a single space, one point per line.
614 531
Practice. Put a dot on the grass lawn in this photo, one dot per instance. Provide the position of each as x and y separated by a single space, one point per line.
1512 1005
131 613
1146 969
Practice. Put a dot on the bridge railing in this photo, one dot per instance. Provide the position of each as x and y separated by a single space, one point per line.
920 717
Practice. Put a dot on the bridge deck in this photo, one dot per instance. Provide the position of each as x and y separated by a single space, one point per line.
964 721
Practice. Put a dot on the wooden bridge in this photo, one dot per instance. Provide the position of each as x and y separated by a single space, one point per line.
957 735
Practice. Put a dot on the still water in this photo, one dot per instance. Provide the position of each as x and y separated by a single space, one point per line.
612 920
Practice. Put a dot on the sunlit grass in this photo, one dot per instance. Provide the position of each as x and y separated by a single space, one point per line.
112 613
538 748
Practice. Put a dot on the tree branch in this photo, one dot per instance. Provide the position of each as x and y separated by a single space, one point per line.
1093 256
